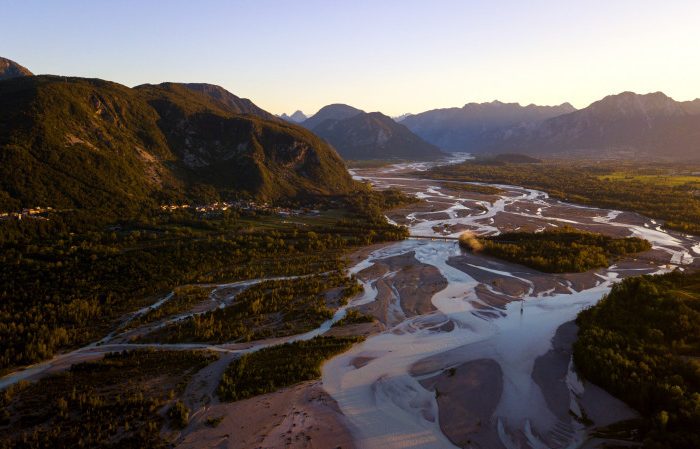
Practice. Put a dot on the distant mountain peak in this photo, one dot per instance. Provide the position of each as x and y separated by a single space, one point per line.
567 105
296 117
335 111
339 109
631 104
400 118
10 69
358 135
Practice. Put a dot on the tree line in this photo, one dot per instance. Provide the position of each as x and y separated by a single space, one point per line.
559 250
642 343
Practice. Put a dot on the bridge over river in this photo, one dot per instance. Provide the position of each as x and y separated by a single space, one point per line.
434 238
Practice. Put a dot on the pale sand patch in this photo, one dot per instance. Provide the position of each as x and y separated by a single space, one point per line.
301 416
550 372
467 397
405 293
361 254
358 329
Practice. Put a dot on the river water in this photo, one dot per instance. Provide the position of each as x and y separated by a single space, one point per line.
386 399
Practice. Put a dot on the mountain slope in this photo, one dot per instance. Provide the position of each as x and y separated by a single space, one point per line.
331 112
231 151
470 127
374 136
86 143
10 69
692 107
78 143
651 125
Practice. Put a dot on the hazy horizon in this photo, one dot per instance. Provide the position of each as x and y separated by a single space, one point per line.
395 57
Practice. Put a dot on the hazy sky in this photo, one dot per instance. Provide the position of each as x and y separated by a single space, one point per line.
395 56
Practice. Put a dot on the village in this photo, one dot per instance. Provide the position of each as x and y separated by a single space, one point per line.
217 208
207 210
38 213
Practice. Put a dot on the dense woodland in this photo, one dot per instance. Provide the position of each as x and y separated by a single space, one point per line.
353 316
69 279
642 343
272 368
111 403
273 308
469 187
559 250
594 183
182 300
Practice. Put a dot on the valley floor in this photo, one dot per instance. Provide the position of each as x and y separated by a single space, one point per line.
465 350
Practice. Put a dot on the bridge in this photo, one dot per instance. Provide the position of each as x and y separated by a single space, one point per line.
434 238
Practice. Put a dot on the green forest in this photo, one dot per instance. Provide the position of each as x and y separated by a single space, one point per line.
280 366
182 300
642 343
273 308
558 250
596 184
476 188
71 279
353 316
109 403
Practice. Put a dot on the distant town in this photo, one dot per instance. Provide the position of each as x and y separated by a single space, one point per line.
252 206
207 210
34 212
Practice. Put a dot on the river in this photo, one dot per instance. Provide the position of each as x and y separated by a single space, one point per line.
489 348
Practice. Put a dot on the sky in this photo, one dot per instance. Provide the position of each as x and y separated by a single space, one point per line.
393 56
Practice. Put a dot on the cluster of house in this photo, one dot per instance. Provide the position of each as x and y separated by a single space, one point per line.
240 205
38 213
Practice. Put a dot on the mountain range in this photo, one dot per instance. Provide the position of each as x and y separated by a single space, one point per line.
87 143
471 126
623 125
359 135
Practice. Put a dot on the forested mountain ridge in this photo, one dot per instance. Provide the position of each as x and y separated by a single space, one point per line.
270 159
88 143
78 143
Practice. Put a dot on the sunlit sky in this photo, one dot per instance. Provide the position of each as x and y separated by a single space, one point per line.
393 56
